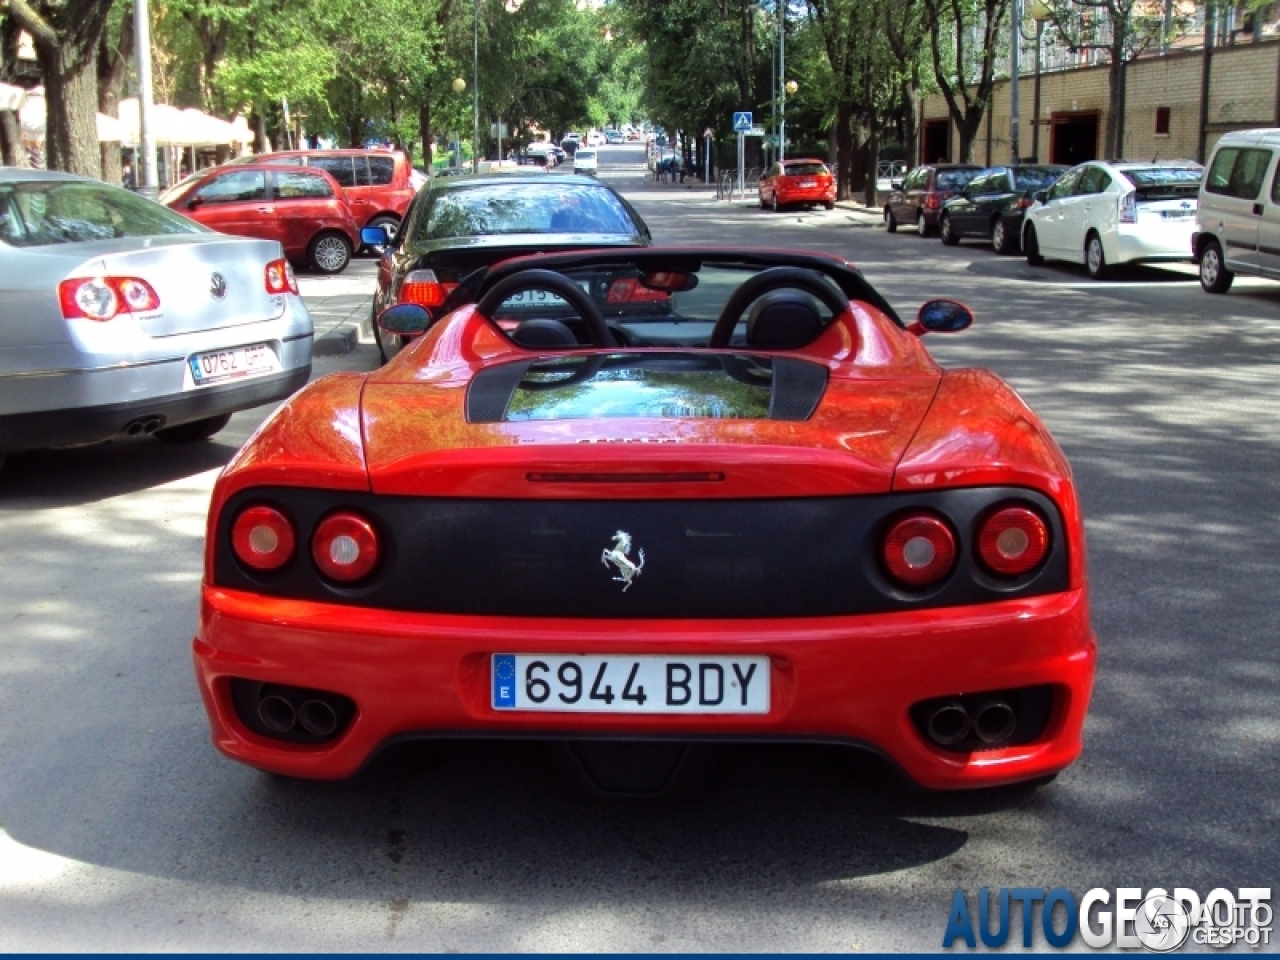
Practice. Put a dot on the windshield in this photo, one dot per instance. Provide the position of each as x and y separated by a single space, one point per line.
1163 176
489 209
40 213
1036 178
955 179
586 154
805 169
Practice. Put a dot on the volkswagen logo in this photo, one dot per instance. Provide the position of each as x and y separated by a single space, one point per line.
217 286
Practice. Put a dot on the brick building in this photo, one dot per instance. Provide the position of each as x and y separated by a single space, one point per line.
1162 108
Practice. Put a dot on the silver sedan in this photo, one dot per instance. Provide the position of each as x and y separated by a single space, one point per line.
119 317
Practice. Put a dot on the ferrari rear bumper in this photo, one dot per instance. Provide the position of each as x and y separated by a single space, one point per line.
848 679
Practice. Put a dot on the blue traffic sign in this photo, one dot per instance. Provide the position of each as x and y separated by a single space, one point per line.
742 121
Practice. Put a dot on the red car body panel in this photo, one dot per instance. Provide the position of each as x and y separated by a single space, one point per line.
367 193
890 420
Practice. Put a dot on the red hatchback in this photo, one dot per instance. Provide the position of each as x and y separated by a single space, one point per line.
301 208
377 184
797 182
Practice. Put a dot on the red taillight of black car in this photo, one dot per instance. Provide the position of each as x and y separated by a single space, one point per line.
263 538
919 550
1012 541
345 547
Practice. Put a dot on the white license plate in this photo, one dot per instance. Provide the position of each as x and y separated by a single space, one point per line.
238 363
1177 214
617 683
808 184
539 298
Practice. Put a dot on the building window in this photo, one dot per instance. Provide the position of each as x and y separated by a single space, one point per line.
1162 121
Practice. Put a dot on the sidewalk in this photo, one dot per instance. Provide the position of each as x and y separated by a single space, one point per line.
339 308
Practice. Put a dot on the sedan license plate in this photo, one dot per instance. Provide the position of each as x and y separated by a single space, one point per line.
617 683
808 184
238 363
1177 214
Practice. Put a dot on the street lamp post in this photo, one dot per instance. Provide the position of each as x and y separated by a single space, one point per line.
1040 12
782 72
145 177
459 85
1015 41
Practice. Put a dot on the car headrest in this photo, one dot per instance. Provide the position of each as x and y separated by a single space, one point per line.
539 332
782 320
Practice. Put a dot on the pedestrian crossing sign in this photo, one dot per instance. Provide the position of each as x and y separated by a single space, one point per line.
742 121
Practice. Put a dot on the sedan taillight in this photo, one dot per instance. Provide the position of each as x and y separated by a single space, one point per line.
631 290
279 277
262 538
932 201
103 298
919 550
345 547
1129 208
422 287
1012 541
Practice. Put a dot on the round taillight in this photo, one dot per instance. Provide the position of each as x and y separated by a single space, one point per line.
919 550
1012 541
345 547
262 537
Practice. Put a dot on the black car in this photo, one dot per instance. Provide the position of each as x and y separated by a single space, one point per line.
993 203
456 226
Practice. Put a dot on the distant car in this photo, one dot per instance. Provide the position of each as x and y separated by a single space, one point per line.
797 183
918 198
595 139
544 151
123 318
585 161
614 136
764 513
1238 212
1102 214
300 208
570 144
533 160
993 204
461 224
377 184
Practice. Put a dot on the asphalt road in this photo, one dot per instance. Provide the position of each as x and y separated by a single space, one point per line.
121 828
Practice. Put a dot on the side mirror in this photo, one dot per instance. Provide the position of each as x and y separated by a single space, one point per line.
895 184
1041 196
941 316
404 319
193 203
373 236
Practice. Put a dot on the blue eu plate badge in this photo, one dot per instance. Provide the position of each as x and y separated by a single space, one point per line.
504 680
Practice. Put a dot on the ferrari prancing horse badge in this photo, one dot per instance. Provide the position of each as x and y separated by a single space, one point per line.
627 570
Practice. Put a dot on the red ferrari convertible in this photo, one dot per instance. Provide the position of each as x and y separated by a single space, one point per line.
653 495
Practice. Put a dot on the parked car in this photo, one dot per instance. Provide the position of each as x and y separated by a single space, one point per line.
301 209
570 143
1102 214
614 136
919 197
1238 215
585 161
993 204
544 151
564 519
377 184
461 224
595 139
123 318
797 182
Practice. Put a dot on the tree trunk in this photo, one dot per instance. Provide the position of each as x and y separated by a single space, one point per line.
71 98
873 161
968 126
112 62
844 150
12 152
1114 141
424 130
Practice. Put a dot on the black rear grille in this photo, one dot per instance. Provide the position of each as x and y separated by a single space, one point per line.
798 557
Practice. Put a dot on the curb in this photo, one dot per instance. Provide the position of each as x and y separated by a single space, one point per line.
336 342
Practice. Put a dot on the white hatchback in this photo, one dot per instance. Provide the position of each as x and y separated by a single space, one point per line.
1102 214
585 161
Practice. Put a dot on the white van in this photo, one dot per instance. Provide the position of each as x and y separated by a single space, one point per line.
1238 220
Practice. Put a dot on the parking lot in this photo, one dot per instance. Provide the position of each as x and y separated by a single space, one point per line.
121 828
